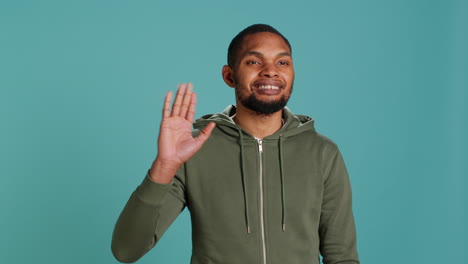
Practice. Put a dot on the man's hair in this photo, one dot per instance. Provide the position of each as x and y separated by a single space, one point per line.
236 43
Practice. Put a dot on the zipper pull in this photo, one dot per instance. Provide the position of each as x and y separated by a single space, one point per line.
260 145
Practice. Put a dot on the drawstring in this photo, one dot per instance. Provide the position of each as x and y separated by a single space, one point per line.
283 213
244 183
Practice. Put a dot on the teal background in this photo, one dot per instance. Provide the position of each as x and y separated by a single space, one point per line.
82 84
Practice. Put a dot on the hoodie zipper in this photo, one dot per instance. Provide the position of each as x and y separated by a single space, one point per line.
262 222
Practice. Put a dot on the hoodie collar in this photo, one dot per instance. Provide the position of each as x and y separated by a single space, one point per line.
294 124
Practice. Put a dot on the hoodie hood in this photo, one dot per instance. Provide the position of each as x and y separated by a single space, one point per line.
294 124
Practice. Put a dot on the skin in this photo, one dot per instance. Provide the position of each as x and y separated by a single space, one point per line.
264 61
175 143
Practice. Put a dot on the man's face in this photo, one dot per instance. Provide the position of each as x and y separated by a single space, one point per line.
264 73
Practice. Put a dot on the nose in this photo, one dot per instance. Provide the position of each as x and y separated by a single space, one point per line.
269 70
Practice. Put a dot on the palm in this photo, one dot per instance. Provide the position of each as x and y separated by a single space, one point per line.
175 140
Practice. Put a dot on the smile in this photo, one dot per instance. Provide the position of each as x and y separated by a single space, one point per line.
264 87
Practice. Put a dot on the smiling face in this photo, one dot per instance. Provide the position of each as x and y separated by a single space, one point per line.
263 75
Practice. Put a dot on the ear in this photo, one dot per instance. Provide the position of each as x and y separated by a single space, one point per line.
228 76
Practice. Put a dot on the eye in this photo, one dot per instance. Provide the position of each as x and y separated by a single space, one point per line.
253 62
283 63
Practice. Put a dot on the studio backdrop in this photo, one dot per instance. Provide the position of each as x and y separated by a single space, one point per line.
81 91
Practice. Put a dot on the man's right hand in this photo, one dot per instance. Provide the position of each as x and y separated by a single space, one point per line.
176 144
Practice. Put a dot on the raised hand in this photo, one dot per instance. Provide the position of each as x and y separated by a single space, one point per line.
176 144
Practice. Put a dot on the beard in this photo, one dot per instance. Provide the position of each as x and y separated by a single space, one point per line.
262 107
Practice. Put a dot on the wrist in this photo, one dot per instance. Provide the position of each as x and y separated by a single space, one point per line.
162 172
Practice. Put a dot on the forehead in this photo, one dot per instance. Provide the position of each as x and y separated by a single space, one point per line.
264 41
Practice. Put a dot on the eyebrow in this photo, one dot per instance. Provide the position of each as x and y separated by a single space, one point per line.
256 53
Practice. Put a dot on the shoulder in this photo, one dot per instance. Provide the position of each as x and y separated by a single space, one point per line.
317 139
326 142
325 147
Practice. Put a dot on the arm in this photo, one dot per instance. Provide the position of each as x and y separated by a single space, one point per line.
337 231
160 198
152 207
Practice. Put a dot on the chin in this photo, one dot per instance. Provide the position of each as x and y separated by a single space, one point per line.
262 107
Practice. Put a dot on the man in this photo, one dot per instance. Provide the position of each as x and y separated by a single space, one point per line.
261 185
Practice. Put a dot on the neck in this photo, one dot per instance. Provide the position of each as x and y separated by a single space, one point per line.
258 125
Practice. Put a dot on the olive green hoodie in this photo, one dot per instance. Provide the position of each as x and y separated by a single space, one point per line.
282 199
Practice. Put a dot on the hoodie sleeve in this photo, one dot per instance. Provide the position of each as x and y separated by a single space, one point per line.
337 231
151 209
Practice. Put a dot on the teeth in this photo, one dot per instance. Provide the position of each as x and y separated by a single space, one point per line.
262 87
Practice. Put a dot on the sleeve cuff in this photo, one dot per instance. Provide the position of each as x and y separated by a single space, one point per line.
153 192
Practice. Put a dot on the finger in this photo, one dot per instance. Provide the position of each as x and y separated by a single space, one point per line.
167 104
178 100
191 110
205 134
186 100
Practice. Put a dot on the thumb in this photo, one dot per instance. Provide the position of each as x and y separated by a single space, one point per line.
205 133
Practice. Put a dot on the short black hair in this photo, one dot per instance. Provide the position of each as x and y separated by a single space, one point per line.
236 43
